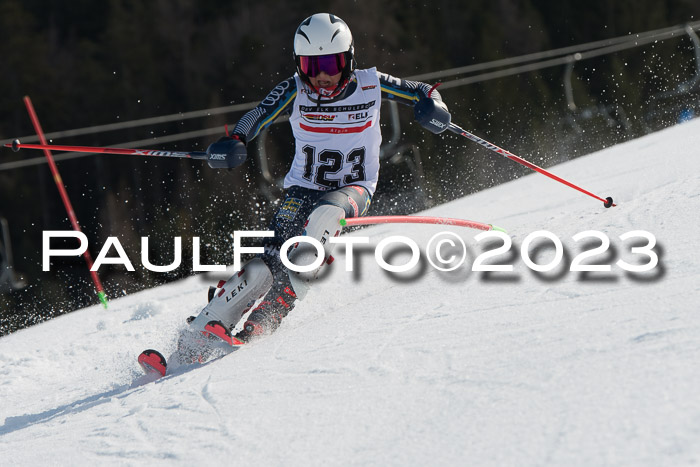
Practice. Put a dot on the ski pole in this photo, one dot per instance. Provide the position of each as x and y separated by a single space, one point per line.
64 196
607 202
16 146
215 160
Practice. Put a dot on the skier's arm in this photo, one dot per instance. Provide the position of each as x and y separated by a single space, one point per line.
429 109
230 151
278 102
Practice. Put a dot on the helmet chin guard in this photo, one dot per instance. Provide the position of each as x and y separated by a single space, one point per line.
324 34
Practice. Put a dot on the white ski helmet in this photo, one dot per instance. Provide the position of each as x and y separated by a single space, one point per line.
323 42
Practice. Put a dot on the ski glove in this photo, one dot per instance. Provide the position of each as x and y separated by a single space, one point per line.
432 115
227 153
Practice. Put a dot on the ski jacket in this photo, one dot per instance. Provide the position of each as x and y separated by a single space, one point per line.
337 139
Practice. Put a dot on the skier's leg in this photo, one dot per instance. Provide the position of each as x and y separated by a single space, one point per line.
228 304
236 296
317 215
288 222
323 224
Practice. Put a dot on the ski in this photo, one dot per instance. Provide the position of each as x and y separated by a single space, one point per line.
213 342
153 362
216 328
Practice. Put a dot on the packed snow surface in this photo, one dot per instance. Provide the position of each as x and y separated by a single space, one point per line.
417 368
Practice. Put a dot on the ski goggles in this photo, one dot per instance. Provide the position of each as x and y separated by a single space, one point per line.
329 64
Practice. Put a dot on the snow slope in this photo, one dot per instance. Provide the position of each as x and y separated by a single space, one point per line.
424 367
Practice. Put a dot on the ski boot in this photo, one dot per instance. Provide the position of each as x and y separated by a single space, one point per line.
267 316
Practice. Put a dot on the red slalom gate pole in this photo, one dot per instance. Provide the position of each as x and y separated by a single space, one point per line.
353 221
64 196
607 202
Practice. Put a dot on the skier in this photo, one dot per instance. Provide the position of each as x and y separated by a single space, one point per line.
333 109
